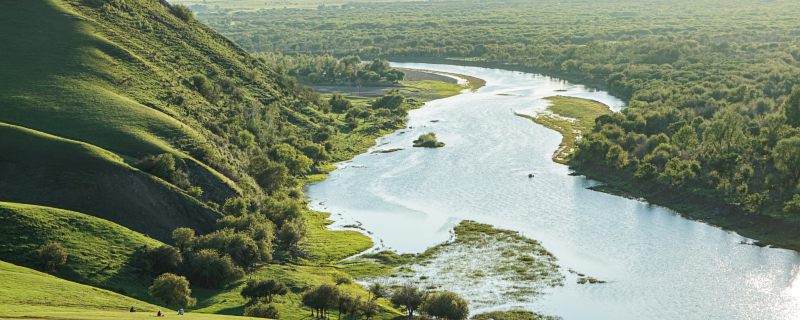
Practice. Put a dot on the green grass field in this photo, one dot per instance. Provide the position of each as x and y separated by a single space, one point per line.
572 117
100 252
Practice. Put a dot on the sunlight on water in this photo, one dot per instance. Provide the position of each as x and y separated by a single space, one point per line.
658 265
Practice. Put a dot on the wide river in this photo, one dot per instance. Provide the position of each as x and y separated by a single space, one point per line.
658 265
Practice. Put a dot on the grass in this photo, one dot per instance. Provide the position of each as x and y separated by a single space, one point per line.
101 253
326 246
24 291
39 168
571 117
512 315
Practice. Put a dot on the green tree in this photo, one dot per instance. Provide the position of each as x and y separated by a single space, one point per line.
320 299
163 259
787 158
376 291
339 103
262 310
791 107
446 305
256 290
408 297
52 255
268 174
173 290
210 269
183 238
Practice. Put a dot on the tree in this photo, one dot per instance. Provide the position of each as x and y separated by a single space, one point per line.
52 255
163 259
348 305
791 107
320 298
296 162
787 158
409 297
291 234
183 12
262 310
268 174
446 305
369 309
339 103
256 290
173 290
376 291
391 101
183 238
245 139
210 269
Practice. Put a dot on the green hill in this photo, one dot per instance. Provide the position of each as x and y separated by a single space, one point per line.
29 294
90 88
100 253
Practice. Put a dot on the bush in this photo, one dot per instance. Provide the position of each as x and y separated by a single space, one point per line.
52 255
262 310
256 290
183 238
210 269
342 279
163 259
428 140
321 298
173 290
244 251
409 297
446 305
339 103
183 12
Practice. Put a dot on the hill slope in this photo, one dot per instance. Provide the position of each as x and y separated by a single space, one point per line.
100 253
91 88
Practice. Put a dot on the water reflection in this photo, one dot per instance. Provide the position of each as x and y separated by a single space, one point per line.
658 264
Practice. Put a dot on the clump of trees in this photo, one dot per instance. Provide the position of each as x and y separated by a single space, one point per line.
173 290
52 255
262 310
428 140
327 69
446 305
263 290
409 297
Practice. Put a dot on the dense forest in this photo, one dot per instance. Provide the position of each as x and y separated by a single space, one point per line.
712 86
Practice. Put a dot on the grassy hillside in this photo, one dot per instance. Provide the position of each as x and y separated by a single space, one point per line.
100 253
29 294
38 168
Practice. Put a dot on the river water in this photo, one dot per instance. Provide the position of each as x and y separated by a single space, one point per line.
658 265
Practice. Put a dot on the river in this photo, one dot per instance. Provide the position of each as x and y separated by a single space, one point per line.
658 264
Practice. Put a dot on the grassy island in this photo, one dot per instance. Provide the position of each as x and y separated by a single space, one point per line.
428 140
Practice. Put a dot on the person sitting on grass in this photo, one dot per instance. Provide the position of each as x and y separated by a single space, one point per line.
159 314
180 311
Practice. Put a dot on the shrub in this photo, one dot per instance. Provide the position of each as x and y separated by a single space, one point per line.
446 305
210 269
321 298
391 101
409 297
376 291
428 140
183 12
339 103
183 238
172 289
52 255
342 279
256 290
262 310
162 259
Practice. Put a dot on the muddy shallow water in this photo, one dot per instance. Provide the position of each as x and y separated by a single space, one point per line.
658 265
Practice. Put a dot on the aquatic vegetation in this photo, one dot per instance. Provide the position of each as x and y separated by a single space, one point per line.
428 140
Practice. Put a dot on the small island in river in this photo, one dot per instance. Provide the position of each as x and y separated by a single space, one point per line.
428 140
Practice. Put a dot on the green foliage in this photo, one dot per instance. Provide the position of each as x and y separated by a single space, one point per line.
321 298
208 268
183 238
52 255
428 140
328 70
256 290
339 104
512 315
162 259
262 310
172 290
408 297
446 305
183 12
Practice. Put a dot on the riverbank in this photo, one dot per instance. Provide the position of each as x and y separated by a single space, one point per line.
570 116
764 230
